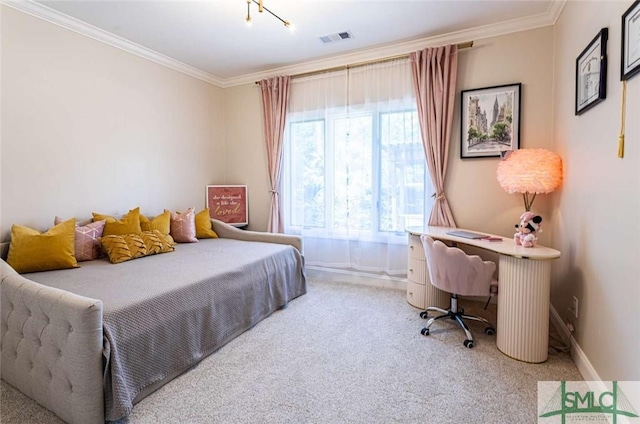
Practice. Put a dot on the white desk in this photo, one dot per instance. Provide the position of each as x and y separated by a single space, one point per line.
523 292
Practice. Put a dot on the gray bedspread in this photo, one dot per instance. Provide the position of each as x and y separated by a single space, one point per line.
164 313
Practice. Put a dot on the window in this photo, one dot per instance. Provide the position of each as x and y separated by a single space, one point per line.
354 170
307 174
362 172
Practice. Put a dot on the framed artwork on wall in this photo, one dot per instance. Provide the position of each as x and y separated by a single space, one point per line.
630 42
228 203
490 121
591 73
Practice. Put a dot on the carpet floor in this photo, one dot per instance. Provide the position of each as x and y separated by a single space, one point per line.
344 353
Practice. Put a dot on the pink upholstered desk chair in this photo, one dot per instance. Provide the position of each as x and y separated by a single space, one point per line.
453 271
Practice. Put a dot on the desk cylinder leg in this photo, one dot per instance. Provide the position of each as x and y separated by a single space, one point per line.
523 308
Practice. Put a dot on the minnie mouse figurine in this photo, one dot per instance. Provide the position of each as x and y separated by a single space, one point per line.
527 230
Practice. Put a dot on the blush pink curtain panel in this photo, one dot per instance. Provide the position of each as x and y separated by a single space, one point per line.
275 96
434 75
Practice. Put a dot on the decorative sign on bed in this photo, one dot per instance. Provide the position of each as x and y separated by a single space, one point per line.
228 203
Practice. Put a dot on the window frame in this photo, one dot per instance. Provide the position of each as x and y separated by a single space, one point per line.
329 116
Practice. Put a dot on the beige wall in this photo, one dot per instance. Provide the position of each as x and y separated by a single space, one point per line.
477 200
87 127
593 219
246 161
597 213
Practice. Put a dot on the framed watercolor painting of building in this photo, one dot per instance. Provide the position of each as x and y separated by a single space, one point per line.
490 121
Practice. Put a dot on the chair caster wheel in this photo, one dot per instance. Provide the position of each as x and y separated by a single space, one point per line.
461 311
490 331
425 331
468 344
424 315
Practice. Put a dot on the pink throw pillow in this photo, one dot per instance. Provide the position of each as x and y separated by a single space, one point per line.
86 242
183 226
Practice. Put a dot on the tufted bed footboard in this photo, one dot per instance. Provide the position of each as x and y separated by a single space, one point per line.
52 347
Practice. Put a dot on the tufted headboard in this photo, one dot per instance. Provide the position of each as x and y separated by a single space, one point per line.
51 346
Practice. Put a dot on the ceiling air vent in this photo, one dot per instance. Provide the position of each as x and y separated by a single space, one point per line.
338 36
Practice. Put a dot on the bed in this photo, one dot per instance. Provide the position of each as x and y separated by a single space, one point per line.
89 343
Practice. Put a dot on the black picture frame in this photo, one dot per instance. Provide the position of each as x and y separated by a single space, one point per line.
490 121
630 53
591 73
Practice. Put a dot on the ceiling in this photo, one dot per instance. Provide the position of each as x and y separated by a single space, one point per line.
210 39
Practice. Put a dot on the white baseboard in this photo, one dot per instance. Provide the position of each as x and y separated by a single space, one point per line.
363 278
579 357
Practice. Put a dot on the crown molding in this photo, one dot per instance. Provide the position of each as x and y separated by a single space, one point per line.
50 15
555 9
473 34
478 33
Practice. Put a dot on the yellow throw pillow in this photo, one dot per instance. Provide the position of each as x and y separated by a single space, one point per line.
132 246
32 251
102 217
155 242
162 223
123 248
129 224
203 225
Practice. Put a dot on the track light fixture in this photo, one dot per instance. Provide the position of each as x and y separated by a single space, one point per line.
262 8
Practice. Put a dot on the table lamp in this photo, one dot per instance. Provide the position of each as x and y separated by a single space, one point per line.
530 171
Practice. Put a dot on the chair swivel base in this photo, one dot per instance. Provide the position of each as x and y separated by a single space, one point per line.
458 316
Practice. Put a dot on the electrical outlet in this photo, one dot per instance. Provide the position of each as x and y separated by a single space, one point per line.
575 306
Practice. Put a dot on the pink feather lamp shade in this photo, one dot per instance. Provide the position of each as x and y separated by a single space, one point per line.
530 171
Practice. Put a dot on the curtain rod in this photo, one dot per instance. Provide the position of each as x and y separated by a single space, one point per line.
460 46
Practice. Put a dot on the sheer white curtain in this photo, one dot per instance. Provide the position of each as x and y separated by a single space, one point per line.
354 175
